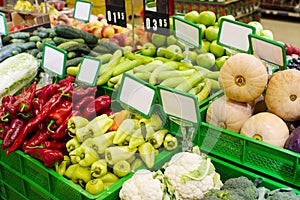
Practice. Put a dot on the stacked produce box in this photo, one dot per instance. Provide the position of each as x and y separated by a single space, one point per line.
61 139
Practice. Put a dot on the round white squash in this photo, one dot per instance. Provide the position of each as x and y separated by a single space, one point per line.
266 127
283 94
243 77
228 114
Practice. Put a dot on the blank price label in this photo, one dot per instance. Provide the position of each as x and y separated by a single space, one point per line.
54 59
82 10
116 12
234 35
89 70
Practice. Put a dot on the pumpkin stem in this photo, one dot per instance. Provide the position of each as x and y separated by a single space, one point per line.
293 97
222 125
240 80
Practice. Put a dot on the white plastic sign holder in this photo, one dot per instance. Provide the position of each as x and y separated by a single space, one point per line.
136 95
188 33
183 109
82 10
234 35
3 27
270 51
88 70
54 60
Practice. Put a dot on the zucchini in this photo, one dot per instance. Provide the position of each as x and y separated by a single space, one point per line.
20 35
35 38
33 52
16 40
75 46
110 45
72 33
73 61
59 40
71 54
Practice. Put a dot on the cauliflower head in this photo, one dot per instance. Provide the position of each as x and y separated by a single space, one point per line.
192 175
141 186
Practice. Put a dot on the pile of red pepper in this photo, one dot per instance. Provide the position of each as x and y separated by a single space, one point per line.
36 119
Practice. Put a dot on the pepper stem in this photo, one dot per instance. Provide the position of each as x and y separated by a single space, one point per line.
52 121
23 107
5 117
36 147
25 115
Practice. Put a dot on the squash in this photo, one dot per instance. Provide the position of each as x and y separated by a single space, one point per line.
283 94
228 114
267 127
243 77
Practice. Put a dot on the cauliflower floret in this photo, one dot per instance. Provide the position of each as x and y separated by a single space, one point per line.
192 175
141 186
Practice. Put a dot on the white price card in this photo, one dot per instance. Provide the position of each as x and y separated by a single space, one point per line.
3 26
89 70
54 59
82 10
137 95
178 104
234 34
187 32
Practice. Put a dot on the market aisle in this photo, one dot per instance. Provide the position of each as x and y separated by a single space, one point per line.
283 30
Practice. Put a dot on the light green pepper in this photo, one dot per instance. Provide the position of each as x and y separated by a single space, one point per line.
72 144
81 175
100 143
116 153
86 156
99 168
98 126
75 123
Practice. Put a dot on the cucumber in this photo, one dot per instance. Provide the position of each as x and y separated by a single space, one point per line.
59 40
33 52
143 75
73 61
40 34
192 81
35 38
124 66
74 46
175 73
72 33
173 82
105 57
17 40
20 35
110 45
71 55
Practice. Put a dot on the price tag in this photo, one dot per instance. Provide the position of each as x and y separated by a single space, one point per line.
116 12
187 32
82 10
3 27
156 16
54 59
89 70
268 50
179 104
234 35
137 95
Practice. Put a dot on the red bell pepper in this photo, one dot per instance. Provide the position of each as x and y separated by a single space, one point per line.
99 104
50 157
14 131
58 115
33 122
81 93
83 102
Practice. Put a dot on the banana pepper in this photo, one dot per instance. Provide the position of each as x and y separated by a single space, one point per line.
170 142
147 153
100 143
125 129
61 168
94 186
109 179
99 168
114 154
72 144
136 139
84 155
75 123
157 138
81 175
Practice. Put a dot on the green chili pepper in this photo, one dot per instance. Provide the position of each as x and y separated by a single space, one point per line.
116 153
126 128
157 138
81 175
86 156
94 186
75 123
99 168
147 153
170 142
72 144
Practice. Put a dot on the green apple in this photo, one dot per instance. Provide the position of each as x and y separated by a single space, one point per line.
258 27
211 33
192 16
268 34
220 61
158 40
216 49
205 46
148 49
207 18
203 28
206 60
193 56
172 50
231 17
171 40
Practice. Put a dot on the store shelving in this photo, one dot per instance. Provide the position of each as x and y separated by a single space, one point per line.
281 8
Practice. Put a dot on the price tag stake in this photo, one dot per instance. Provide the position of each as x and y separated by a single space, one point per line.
183 109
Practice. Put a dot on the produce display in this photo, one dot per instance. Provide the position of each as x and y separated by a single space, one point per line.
74 130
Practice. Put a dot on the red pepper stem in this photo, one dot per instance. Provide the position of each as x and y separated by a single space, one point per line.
51 122
23 107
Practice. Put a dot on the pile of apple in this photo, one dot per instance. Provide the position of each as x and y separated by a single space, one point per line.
292 51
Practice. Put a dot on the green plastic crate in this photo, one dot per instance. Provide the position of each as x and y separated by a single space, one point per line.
31 179
277 163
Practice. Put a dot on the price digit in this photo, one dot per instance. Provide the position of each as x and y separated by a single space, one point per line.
154 24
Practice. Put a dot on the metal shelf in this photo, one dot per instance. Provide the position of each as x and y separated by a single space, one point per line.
281 13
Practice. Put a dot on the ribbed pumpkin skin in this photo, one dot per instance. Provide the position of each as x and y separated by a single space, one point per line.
228 114
283 94
243 77
271 128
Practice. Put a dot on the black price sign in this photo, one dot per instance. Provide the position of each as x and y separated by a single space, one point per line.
116 12
156 16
